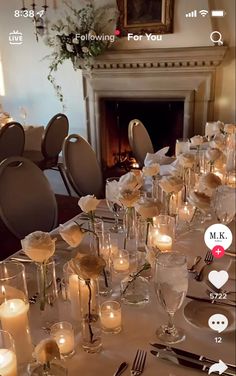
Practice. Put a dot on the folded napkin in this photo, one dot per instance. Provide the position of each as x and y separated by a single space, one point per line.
158 157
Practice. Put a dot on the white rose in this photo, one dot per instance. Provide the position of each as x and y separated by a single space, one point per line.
85 50
147 209
200 200
46 351
218 142
88 203
69 47
130 181
38 246
151 170
75 41
208 183
171 184
72 234
129 198
213 154
230 128
186 160
196 140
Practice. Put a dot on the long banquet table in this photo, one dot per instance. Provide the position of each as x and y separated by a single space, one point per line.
139 324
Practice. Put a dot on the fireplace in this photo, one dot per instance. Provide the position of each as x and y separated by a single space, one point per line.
170 77
163 119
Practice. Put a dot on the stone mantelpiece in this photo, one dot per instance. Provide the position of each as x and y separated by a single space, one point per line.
176 73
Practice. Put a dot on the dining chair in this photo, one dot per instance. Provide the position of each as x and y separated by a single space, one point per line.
27 202
53 137
82 167
12 140
139 141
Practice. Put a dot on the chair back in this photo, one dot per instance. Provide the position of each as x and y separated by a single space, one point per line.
81 166
54 135
139 140
27 202
12 140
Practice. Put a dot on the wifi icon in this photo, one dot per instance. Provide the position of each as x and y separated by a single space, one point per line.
203 12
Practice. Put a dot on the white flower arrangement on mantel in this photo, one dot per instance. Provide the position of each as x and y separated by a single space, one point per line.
80 36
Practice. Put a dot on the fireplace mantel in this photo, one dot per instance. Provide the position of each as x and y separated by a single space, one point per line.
174 73
160 58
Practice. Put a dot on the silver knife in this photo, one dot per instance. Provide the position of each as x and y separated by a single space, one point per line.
123 366
186 353
193 363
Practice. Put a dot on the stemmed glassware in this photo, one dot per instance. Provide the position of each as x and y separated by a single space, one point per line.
113 203
223 204
171 285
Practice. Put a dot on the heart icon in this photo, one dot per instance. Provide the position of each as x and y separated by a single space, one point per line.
218 279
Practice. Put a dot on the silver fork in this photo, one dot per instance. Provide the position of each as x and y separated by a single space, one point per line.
138 363
208 260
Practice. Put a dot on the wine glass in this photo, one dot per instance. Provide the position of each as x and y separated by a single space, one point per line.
223 205
23 114
112 193
171 285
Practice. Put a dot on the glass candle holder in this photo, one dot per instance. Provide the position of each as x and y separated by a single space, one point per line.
163 232
72 291
110 315
121 261
8 362
63 333
89 306
97 227
14 307
186 212
105 278
182 146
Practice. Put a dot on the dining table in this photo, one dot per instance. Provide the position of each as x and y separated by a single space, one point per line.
139 323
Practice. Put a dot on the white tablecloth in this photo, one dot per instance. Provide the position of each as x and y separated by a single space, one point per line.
139 324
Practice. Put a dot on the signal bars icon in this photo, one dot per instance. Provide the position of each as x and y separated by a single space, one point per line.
191 14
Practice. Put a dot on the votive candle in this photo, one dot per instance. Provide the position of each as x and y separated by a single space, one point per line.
8 365
63 334
110 315
121 262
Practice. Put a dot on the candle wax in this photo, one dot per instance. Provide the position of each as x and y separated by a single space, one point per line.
65 341
111 319
8 365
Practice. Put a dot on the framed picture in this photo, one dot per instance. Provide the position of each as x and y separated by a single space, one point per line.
145 16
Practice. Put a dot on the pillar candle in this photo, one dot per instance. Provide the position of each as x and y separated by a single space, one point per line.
8 365
14 319
73 294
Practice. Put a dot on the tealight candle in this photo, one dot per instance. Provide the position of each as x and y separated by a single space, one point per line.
63 334
162 242
8 363
110 315
121 262
14 319
186 212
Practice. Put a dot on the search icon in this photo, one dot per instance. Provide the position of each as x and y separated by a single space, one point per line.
216 37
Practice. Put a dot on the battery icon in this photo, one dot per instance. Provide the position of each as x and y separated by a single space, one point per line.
218 13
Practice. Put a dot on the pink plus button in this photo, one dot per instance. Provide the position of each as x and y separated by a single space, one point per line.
218 251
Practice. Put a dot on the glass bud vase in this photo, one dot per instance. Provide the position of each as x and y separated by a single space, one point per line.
89 306
130 223
36 369
48 292
135 290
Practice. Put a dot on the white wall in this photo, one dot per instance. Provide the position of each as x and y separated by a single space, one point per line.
25 73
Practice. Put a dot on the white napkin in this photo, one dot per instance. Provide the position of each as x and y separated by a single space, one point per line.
158 157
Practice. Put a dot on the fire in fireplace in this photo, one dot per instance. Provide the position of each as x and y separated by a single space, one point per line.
163 120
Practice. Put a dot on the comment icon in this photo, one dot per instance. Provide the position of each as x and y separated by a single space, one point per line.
218 322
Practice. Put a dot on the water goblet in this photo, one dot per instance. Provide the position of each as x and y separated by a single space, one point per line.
171 285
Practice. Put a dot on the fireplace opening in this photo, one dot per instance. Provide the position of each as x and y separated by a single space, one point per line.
163 119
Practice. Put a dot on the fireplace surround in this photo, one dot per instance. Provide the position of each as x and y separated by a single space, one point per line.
185 74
